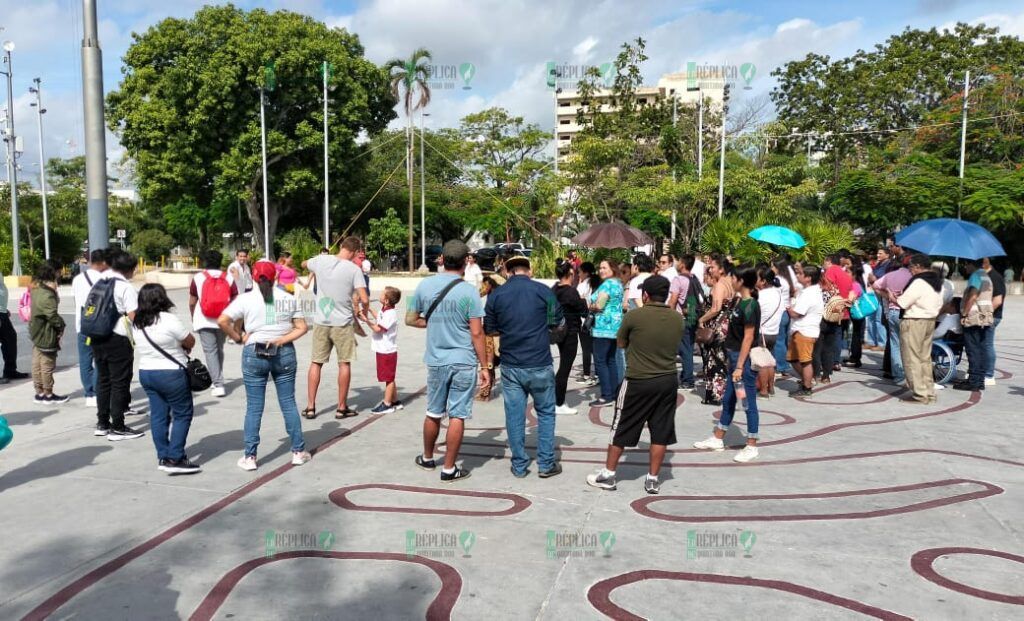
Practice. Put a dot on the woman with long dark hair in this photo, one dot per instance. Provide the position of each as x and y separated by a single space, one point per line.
719 273
606 305
573 309
162 344
272 321
744 322
589 282
773 307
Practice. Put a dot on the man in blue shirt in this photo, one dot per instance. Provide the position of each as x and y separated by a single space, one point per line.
521 311
449 308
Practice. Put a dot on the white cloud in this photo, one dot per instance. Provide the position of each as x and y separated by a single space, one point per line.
581 53
1012 25
794 24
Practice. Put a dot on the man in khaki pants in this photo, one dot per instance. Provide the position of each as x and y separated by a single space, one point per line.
921 301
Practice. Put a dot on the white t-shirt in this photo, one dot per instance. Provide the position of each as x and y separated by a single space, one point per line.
367 266
474 275
584 289
199 320
81 287
698 270
785 291
336 280
633 292
245 278
126 299
385 342
167 332
265 322
950 322
670 273
772 307
809 304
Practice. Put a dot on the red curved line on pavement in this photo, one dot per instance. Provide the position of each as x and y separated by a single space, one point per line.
786 418
595 413
830 385
642 505
340 498
923 563
440 607
599 595
531 421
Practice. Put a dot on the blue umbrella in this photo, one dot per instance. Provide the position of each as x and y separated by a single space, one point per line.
946 237
778 235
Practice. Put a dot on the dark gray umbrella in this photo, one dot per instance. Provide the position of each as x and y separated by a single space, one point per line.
612 235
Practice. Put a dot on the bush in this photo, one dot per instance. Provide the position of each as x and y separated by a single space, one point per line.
300 243
29 260
729 236
151 244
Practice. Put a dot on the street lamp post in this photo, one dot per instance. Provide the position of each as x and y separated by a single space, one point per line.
95 136
327 200
40 111
266 198
12 155
423 194
721 157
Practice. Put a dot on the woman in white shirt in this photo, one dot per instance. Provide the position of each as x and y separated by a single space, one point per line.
272 320
162 344
589 281
773 305
788 288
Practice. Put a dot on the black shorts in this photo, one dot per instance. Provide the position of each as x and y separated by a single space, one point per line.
646 401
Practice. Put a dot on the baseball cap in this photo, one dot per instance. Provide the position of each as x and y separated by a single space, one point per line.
455 249
656 287
265 268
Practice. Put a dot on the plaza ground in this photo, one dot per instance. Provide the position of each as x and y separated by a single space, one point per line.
859 506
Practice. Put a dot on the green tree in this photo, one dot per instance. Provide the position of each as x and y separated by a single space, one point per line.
151 244
187 112
387 235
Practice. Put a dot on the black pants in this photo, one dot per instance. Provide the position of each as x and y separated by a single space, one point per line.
9 343
587 347
566 358
825 353
114 357
857 340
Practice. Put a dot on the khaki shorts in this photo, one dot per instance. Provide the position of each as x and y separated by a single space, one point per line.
801 348
341 338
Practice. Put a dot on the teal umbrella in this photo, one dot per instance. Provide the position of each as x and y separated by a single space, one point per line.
778 235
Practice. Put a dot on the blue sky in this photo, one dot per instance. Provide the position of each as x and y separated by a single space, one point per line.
508 42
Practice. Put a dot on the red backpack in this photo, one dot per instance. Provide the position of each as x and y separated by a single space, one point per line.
215 296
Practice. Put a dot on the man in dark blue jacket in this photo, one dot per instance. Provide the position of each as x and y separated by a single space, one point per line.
521 312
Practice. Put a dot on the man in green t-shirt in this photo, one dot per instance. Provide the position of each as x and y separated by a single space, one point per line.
650 335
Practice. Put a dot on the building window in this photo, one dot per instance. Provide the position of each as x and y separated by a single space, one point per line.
563 104
564 122
642 100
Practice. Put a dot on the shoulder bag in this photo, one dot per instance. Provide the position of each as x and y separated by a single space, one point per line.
198 376
440 296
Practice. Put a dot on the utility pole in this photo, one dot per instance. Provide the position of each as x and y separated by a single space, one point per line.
963 141
700 134
327 184
266 198
410 149
721 157
95 131
12 159
40 111
423 195
675 102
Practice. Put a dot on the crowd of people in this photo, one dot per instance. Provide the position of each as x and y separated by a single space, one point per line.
637 330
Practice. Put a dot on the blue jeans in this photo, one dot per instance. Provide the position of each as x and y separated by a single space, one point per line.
607 367
255 372
86 367
516 384
620 362
729 398
450 391
781 344
170 399
990 349
895 358
874 331
686 354
977 355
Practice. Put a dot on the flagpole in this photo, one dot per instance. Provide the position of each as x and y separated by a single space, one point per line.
266 200
327 217
963 140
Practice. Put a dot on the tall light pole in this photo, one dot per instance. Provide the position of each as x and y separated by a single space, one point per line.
423 194
95 132
327 185
675 101
700 134
266 198
963 140
12 156
40 111
721 157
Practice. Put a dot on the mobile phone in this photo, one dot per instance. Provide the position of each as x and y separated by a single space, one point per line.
266 350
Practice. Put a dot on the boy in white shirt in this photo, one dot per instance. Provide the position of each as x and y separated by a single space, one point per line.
80 286
385 347
806 313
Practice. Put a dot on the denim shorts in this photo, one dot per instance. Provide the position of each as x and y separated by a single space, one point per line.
450 390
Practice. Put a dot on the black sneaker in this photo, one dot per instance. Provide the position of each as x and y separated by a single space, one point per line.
451 477
124 433
518 475
968 387
16 375
101 430
426 464
398 405
555 471
179 466
602 403
686 385
55 398
41 399
652 486
132 412
803 391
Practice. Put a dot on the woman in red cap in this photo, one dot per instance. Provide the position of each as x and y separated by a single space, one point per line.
272 319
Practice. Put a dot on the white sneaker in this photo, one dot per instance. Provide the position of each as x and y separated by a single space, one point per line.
300 457
247 462
939 387
990 381
218 391
90 402
749 453
711 444
564 409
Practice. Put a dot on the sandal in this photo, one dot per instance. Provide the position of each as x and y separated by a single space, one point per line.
345 413
309 413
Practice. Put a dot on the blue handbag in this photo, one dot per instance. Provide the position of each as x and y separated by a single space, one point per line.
865 306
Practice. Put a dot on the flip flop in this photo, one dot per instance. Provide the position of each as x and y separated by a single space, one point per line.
345 413
309 413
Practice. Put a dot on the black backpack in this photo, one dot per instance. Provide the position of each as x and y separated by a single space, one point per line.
100 315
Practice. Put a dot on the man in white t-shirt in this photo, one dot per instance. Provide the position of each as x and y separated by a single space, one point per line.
204 322
80 287
699 268
667 267
642 268
474 275
114 354
240 271
337 277
805 327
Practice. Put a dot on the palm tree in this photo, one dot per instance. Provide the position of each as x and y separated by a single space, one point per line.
407 77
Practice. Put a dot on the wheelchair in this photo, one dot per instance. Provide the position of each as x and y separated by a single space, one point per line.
946 355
